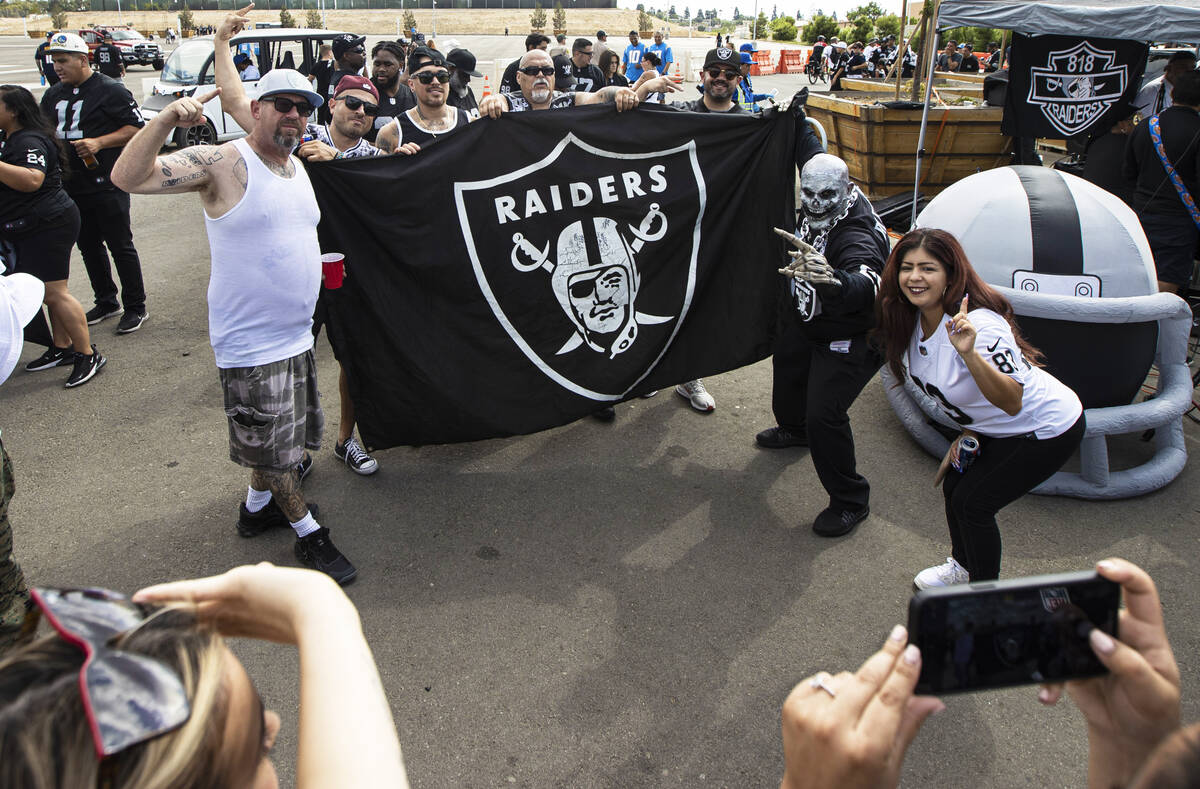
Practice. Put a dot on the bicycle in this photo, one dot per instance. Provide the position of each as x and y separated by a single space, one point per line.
818 71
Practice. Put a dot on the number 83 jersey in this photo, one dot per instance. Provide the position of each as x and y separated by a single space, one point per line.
1048 406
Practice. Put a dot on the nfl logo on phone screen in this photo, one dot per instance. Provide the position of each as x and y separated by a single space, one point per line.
587 258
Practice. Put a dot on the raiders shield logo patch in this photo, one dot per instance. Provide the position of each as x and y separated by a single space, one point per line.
1077 86
588 259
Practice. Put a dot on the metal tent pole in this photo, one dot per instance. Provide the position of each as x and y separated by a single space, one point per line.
931 49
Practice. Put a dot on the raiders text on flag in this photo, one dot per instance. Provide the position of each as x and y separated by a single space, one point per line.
525 272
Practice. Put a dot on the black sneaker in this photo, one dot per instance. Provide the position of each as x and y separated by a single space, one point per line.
131 321
317 551
304 467
835 523
780 438
86 367
100 312
252 524
606 414
53 357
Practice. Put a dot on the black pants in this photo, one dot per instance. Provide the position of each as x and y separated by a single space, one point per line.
812 392
1006 469
104 220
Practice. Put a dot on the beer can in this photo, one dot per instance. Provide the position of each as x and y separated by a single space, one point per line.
968 450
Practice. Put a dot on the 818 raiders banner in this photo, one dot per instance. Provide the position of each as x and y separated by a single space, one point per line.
526 272
1061 86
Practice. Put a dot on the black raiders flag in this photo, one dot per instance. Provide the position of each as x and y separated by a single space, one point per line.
1061 86
525 272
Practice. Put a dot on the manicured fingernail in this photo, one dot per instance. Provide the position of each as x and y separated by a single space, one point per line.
939 710
912 655
898 633
1044 695
1101 642
1106 565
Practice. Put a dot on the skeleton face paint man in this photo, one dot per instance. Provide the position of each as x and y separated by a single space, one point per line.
825 191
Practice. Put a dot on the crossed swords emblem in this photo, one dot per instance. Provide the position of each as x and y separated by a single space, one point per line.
597 292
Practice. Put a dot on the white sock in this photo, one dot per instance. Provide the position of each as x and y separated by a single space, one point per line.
257 499
306 525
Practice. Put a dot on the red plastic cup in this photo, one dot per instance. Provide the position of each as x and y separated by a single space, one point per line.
333 266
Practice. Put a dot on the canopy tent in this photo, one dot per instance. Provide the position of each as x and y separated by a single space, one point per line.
1176 20
1139 20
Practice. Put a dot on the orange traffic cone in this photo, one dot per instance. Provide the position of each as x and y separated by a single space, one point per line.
677 77
487 88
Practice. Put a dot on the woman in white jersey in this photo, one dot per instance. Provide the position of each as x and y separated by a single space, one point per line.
954 336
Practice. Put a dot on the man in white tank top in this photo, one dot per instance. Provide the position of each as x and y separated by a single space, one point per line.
261 217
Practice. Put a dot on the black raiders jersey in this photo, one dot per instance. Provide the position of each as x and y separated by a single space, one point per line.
99 106
559 101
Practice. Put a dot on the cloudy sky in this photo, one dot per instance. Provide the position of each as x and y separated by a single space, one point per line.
790 7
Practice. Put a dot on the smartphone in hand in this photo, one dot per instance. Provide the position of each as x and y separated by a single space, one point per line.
1019 631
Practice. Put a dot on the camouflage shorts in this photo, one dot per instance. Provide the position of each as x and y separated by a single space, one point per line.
13 594
274 412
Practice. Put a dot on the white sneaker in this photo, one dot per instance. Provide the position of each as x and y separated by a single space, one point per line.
947 574
695 393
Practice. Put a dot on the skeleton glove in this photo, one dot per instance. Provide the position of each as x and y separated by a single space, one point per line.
808 265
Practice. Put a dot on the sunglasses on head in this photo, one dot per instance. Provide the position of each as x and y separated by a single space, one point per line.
427 77
533 71
716 72
129 698
284 105
352 103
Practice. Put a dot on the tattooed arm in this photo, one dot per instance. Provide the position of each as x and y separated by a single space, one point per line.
624 98
140 170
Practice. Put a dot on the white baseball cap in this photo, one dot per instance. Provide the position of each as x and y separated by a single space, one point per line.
286 80
67 42
21 297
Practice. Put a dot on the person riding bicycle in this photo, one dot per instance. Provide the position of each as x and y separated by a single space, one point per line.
818 52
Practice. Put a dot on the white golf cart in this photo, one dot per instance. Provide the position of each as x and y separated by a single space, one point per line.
190 69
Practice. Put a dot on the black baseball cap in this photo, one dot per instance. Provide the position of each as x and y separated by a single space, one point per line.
346 42
563 80
599 34
723 56
464 61
431 57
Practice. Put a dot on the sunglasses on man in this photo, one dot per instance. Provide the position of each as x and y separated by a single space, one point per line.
533 71
353 104
427 77
717 73
284 105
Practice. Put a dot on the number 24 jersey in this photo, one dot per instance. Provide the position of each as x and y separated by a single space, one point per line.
1048 406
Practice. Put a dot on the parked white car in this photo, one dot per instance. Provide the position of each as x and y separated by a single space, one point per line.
190 69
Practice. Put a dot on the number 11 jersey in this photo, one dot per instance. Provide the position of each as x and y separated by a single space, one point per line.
1048 406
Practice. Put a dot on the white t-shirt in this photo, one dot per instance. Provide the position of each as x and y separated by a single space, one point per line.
1048 407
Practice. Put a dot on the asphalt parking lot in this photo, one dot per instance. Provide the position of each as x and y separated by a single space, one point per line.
605 605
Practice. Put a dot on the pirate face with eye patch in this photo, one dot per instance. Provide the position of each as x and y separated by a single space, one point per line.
600 298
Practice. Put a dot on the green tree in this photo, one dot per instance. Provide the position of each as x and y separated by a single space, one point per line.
887 25
537 20
760 25
784 29
186 20
820 25
408 20
560 17
644 21
736 14
286 19
313 19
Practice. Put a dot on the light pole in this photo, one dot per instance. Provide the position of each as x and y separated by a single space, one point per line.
754 26
435 20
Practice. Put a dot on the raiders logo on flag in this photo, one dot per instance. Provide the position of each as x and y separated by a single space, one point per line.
1062 86
1077 86
587 258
